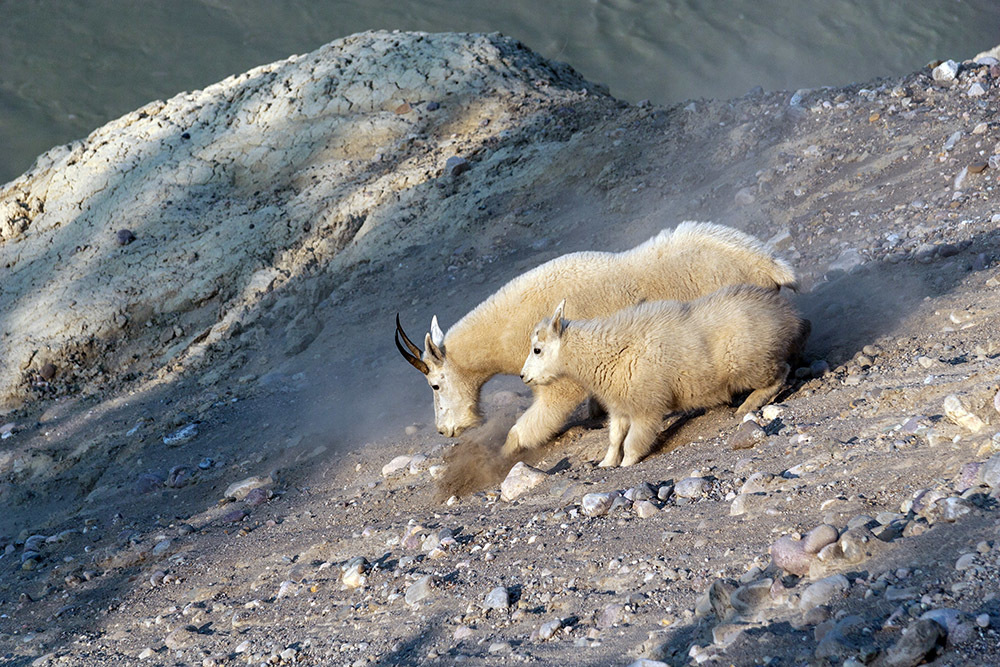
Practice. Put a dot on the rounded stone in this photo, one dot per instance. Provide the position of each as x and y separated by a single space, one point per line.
181 638
398 465
965 562
690 487
747 435
597 504
645 509
498 599
521 479
819 537
788 554
549 629
419 590
823 591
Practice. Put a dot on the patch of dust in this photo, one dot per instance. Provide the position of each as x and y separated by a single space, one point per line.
475 462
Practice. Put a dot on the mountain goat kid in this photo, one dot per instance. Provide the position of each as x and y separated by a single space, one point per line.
692 260
658 357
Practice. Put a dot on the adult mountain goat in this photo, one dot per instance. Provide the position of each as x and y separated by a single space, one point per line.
666 356
493 338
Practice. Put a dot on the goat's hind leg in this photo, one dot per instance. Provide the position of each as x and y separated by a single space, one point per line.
758 398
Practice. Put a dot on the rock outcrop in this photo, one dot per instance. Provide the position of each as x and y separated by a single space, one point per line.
140 246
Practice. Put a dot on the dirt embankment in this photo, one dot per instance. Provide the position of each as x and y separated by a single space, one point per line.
202 391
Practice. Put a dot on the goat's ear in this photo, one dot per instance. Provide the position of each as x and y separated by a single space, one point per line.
433 351
436 334
557 318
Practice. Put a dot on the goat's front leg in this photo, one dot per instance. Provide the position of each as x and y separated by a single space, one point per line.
616 433
553 404
761 397
641 434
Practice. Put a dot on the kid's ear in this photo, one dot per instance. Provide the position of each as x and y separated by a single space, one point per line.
557 318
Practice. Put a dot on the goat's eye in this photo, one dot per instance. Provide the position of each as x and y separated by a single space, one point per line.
435 387
537 351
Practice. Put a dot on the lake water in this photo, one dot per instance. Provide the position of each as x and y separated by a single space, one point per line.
69 66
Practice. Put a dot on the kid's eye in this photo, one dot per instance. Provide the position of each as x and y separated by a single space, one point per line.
537 351
435 387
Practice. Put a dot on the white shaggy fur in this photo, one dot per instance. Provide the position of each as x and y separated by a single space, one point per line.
666 356
694 259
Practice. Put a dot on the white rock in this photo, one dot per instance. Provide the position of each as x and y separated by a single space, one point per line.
976 90
597 504
419 590
956 412
521 479
354 573
240 489
396 466
258 131
287 588
645 509
822 591
965 561
418 463
952 140
690 487
772 412
847 260
549 629
498 598
946 71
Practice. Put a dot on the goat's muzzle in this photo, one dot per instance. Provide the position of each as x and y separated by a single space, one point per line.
413 355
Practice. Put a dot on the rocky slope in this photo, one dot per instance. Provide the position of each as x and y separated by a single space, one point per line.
212 454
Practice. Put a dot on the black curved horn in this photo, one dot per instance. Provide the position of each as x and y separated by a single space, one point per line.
413 355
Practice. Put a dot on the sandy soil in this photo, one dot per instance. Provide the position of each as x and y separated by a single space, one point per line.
124 542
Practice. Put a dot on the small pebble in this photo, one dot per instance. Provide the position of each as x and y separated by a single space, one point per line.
456 165
419 590
396 466
547 630
124 236
965 562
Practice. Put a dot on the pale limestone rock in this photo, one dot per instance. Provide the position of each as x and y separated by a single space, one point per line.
521 479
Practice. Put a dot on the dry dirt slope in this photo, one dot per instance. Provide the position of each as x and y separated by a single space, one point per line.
245 334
